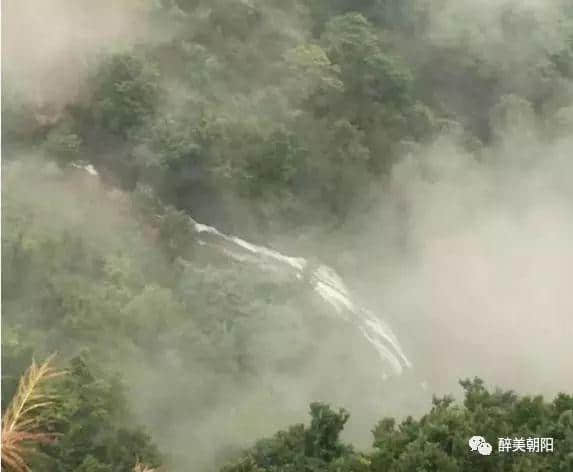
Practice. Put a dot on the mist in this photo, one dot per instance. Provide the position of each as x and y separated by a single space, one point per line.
478 276
463 249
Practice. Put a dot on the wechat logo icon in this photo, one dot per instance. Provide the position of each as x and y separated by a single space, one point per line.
479 444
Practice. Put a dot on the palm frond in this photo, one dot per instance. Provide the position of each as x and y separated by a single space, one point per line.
139 467
20 420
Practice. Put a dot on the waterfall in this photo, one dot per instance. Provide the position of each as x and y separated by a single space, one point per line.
325 282
323 279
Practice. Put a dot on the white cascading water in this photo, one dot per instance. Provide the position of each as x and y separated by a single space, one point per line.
323 279
326 283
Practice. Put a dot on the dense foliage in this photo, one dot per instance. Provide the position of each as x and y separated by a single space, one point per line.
263 118
438 441
293 106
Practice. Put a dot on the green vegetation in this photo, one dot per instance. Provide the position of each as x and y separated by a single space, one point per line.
267 119
436 442
292 106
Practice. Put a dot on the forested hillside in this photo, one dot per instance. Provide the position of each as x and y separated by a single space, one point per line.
420 148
